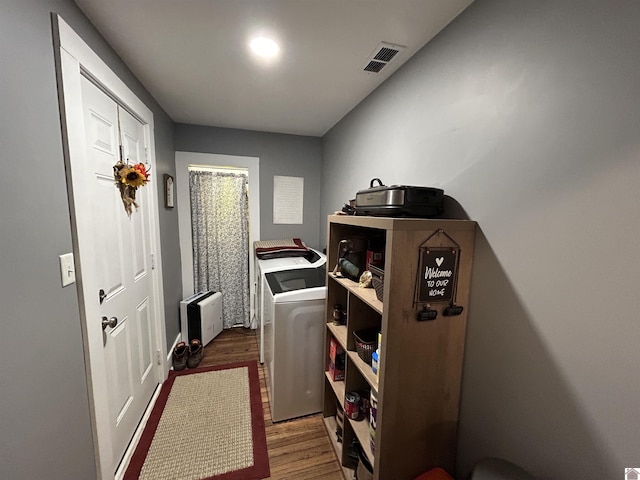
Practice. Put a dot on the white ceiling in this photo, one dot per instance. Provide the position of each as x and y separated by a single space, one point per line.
193 58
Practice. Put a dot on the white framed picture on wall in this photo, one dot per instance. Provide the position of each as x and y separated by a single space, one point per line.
288 194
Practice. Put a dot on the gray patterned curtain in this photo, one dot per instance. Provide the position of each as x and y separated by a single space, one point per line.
219 220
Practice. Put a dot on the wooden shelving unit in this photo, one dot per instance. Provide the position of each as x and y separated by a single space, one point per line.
418 387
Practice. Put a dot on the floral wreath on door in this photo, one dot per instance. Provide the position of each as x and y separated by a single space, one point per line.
128 179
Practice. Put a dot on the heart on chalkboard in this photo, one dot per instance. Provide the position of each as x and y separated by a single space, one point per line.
439 261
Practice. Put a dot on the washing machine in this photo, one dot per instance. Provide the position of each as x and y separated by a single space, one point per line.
313 259
294 322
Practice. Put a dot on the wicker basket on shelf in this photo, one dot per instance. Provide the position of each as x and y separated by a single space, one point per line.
366 343
377 280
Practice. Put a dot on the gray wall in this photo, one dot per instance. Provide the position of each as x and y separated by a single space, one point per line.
288 155
527 114
44 409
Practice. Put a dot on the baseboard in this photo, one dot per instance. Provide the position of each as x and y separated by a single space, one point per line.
122 468
169 363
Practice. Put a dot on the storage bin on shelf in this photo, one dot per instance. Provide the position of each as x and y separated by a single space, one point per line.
377 280
366 343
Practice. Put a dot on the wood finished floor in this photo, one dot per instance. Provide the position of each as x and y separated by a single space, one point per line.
298 449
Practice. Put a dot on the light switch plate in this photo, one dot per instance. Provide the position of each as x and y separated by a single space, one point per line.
67 269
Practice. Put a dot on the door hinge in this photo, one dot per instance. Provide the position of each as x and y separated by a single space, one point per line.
159 357
121 148
146 154
153 261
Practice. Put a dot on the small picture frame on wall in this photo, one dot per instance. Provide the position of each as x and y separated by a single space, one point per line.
168 191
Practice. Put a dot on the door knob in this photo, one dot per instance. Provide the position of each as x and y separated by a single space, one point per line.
109 322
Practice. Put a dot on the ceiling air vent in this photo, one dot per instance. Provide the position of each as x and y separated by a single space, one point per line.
374 66
383 54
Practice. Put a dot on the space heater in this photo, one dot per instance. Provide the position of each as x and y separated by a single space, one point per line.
201 316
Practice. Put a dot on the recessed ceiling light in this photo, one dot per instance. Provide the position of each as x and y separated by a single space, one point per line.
264 47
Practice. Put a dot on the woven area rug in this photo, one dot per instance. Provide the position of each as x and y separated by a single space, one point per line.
207 423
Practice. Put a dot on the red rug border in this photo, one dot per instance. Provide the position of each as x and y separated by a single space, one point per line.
260 468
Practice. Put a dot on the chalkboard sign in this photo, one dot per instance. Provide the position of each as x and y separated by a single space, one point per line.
437 275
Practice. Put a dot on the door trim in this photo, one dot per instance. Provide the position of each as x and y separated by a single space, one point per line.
75 59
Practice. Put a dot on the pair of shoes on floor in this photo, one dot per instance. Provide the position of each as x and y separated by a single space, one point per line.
187 356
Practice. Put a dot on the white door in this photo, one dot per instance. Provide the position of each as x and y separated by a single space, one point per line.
121 264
